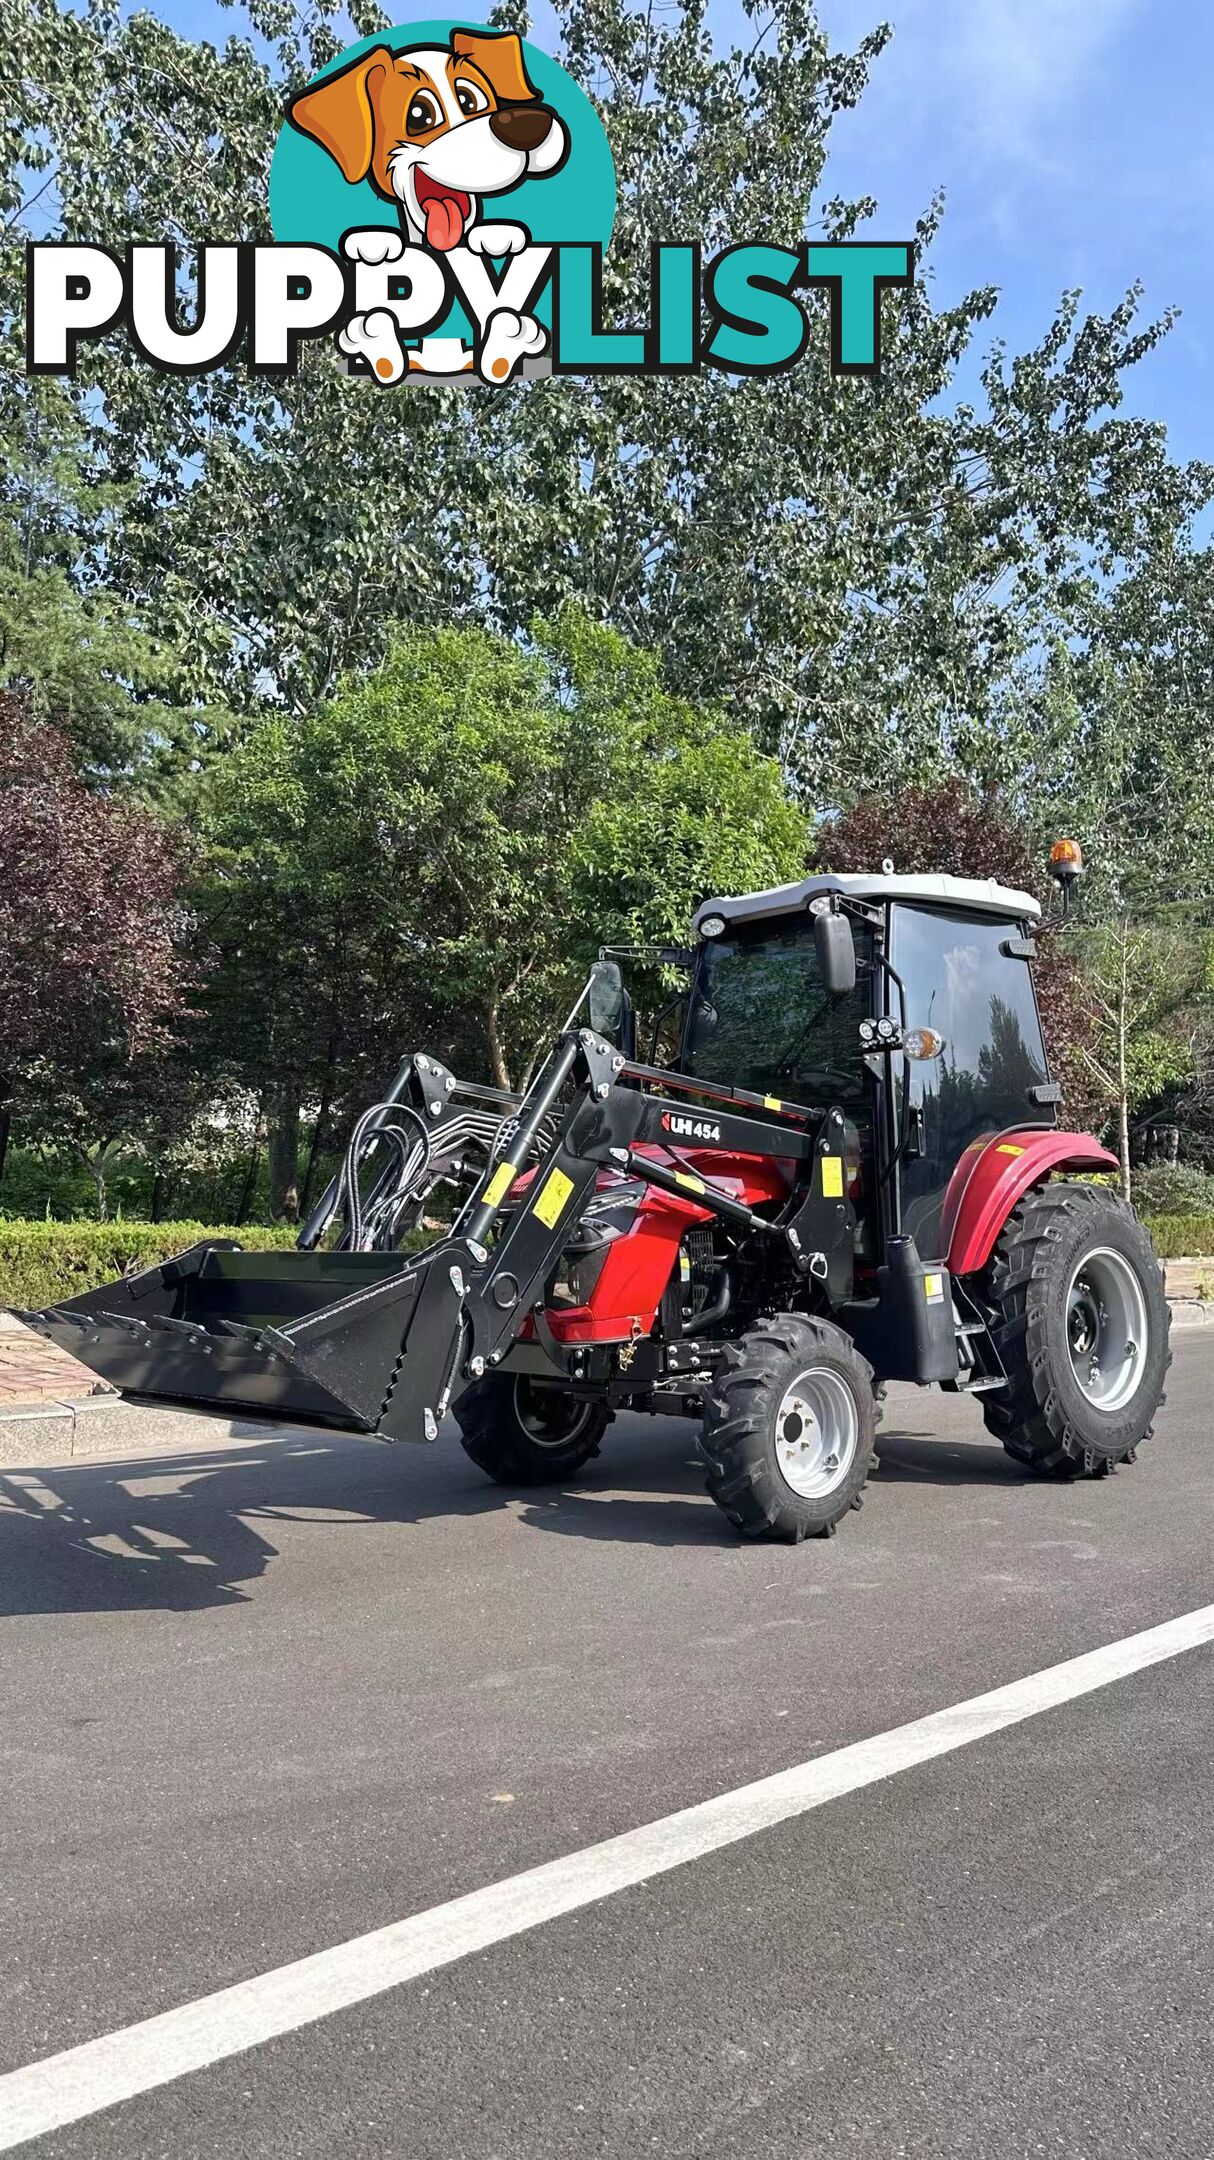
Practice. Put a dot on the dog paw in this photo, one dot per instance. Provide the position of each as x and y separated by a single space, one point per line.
374 338
496 240
373 244
508 339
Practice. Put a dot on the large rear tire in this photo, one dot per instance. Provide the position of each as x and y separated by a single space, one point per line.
520 1433
788 1429
1080 1321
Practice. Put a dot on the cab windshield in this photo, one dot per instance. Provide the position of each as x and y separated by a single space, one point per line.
760 1018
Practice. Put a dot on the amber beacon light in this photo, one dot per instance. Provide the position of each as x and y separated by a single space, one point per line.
1066 861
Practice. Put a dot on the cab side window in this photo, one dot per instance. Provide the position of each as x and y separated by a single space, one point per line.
960 982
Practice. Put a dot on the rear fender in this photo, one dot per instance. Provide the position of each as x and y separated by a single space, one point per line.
993 1174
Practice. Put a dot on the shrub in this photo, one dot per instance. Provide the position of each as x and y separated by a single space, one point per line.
1173 1189
1181 1236
42 1262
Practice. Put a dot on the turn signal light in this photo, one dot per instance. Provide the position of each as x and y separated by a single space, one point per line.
923 1043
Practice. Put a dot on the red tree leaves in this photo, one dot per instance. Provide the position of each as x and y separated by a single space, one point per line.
91 968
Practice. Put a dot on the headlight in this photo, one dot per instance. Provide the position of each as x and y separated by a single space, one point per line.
604 1219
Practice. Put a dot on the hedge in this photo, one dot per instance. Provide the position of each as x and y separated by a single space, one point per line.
41 1262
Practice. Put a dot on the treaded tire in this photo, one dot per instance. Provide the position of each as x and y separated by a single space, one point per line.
1043 1417
493 1416
739 1438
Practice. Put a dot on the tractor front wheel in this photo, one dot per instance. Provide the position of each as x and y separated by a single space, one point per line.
788 1429
520 1433
1080 1321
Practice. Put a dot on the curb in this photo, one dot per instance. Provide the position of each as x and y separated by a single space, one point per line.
109 1427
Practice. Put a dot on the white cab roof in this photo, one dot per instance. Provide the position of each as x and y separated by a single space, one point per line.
983 895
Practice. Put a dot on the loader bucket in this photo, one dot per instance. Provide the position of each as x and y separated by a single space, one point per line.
306 1337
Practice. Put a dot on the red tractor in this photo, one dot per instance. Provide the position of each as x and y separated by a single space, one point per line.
852 1173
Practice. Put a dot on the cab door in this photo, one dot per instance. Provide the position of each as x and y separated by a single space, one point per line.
963 981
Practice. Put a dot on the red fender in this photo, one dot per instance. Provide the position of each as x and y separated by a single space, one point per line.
993 1174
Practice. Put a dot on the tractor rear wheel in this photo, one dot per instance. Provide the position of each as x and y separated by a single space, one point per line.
788 1429
1080 1321
520 1433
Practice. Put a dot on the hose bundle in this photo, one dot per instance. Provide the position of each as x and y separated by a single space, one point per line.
371 1223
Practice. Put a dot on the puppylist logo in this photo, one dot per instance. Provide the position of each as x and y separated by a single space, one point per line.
441 198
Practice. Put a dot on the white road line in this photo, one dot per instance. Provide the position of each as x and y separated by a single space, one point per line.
65 2088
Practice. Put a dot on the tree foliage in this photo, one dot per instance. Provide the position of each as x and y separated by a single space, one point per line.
867 573
435 853
92 970
957 622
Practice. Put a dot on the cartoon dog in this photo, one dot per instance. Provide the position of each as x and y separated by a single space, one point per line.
436 130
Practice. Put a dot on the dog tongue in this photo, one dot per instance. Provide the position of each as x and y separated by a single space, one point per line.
444 223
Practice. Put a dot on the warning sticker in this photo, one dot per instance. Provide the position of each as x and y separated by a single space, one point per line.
832 1177
499 1184
551 1203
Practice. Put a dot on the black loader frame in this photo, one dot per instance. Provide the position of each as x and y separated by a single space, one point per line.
379 1341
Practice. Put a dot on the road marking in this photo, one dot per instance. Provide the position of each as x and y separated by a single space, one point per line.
99 2074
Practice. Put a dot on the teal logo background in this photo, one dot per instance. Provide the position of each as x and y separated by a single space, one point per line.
311 203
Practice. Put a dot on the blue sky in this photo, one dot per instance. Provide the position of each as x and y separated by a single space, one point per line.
1072 137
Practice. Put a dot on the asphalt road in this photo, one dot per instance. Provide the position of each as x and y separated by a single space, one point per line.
258 1700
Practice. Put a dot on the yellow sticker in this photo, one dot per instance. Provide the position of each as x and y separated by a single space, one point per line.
772 1102
551 1203
1005 1148
692 1184
933 1288
499 1184
832 1177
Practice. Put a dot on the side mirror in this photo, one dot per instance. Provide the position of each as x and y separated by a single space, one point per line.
606 999
836 950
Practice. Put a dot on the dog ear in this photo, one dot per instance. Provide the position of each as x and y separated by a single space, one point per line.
337 113
500 60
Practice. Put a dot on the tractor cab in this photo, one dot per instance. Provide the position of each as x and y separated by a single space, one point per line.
929 1042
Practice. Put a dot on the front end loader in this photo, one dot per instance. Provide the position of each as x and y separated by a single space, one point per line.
851 1173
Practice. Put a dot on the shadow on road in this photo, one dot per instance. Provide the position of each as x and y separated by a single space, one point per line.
920 1458
187 1531
193 1530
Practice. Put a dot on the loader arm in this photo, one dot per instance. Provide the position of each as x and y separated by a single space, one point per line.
378 1340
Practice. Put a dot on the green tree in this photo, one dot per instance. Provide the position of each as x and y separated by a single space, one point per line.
433 856
1142 983
866 572
77 650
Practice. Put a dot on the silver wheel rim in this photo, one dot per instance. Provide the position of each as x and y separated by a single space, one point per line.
1106 1326
817 1433
541 1431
